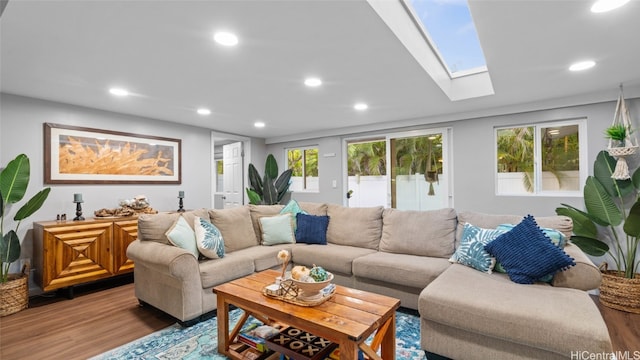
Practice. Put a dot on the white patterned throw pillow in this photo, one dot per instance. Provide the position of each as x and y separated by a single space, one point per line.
208 239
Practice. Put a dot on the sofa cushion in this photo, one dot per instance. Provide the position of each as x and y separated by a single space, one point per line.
312 208
333 258
425 233
219 271
494 306
584 276
277 229
180 234
471 251
312 229
153 227
258 211
235 226
407 270
489 221
527 254
208 238
264 257
360 227
191 215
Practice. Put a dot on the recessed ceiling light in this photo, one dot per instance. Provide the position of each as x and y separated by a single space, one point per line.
607 5
204 111
582 65
118 92
258 124
361 106
225 38
312 82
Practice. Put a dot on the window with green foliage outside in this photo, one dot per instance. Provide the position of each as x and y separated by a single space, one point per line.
304 163
539 159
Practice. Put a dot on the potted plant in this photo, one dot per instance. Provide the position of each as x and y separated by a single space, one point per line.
617 132
270 189
14 179
611 225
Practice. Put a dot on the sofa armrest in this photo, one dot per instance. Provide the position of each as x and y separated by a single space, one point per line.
584 276
167 259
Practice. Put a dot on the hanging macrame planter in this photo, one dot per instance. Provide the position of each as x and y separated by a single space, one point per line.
431 176
622 147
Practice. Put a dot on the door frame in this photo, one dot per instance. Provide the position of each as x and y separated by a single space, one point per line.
246 149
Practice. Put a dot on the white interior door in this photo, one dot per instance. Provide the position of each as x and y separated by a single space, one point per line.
232 177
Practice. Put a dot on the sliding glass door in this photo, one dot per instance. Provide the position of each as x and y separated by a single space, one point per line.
408 171
418 170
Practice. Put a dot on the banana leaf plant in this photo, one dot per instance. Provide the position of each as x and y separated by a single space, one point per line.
270 189
611 223
14 179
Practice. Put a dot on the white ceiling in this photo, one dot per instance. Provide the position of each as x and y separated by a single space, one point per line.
162 51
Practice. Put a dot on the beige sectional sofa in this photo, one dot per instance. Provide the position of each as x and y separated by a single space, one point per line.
465 314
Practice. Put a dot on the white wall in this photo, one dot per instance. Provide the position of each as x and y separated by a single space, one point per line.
21 131
473 158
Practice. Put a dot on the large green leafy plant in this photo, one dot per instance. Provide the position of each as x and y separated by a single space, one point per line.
610 205
270 189
14 180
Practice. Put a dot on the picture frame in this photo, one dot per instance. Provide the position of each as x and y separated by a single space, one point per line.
80 155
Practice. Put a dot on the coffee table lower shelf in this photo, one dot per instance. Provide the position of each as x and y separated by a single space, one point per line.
347 319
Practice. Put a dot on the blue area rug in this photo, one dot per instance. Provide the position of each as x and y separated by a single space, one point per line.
200 341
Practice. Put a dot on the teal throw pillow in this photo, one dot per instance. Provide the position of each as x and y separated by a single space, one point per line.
208 239
294 209
471 250
180 234
312 229
277 229
527 254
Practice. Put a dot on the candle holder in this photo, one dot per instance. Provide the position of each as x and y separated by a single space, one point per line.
180 201
78 211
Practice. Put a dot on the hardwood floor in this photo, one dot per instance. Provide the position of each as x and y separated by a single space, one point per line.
106 315
95 321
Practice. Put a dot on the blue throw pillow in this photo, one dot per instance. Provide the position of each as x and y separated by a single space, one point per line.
557 238
312 229
527 254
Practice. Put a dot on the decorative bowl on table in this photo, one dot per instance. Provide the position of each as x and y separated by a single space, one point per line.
311 290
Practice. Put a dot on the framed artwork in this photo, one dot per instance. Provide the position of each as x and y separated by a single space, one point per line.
79 155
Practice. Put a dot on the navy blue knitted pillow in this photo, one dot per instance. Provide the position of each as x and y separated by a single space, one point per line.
311 229
527 254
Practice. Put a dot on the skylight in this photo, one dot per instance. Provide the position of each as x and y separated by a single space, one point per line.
450 29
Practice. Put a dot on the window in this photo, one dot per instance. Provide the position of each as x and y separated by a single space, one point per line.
304 163
451 32
543 159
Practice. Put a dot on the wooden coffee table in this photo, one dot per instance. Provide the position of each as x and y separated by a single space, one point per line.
347 319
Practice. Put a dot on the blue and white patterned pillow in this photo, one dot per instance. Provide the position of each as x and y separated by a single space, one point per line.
471 251
208 239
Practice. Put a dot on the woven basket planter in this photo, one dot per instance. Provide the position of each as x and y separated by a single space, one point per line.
14 294
620 293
